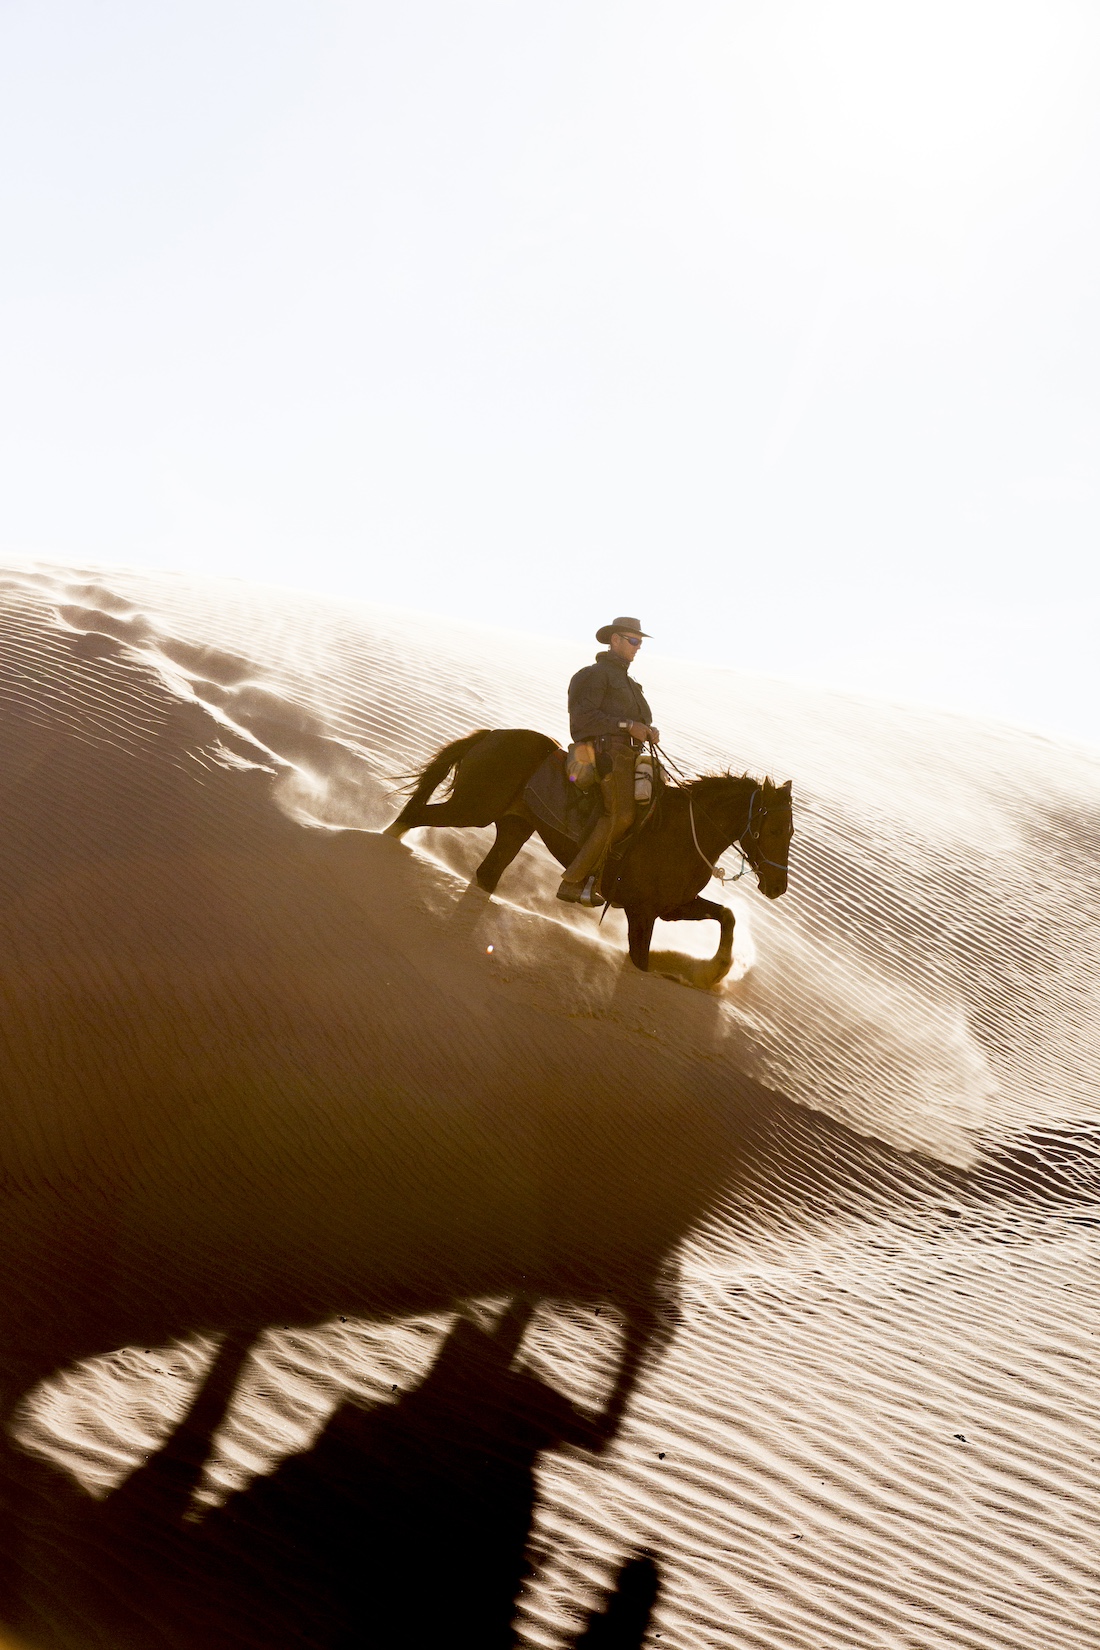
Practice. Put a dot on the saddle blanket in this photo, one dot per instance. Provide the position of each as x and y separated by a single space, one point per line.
554 800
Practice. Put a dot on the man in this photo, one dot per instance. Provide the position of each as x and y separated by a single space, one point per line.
608 708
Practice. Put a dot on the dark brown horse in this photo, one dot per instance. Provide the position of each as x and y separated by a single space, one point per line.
664 866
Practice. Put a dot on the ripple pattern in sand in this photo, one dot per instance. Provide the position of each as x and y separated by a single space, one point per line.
876 1422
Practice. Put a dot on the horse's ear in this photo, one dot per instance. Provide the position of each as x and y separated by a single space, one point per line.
786 786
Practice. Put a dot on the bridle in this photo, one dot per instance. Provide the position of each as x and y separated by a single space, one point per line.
719 872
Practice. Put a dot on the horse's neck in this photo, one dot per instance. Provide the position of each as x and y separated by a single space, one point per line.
724 820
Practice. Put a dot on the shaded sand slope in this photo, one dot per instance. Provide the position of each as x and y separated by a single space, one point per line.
266 1071
257 1071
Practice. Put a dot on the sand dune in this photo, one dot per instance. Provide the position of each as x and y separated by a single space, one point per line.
281 1098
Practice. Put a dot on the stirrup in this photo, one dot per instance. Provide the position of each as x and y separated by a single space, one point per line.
570 892
590 896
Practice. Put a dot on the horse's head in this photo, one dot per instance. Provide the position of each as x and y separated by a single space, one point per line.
766 838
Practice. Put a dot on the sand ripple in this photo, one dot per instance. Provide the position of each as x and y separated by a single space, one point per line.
875 1422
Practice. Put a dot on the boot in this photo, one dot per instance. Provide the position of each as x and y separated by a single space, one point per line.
587 857
581 893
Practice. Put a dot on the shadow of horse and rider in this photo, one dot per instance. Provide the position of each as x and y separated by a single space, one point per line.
406 1524
516 780
409 1523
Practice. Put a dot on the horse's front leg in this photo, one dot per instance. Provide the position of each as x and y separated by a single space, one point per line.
701 910
639 928
647 1328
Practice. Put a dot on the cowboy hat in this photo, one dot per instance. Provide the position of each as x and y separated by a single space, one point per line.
626 626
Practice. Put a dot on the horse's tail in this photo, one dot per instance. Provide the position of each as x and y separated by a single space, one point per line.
431 777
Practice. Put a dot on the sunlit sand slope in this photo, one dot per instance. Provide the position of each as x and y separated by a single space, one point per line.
266 1072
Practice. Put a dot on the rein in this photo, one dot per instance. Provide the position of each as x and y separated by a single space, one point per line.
719 872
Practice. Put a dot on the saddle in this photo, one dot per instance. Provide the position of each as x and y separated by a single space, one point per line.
557 800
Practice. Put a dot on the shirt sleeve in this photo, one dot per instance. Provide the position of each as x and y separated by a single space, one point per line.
587 718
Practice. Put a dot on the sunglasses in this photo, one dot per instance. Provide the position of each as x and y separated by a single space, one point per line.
635 641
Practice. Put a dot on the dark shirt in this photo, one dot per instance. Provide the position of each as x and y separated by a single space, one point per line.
603 695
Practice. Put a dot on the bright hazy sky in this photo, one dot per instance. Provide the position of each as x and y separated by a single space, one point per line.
776 323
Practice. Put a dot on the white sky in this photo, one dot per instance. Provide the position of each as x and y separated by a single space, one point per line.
776 323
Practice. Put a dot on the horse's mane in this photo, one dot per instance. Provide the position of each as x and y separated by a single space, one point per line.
710 781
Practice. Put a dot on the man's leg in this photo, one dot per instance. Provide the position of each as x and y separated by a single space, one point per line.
622 794
618 816
590 852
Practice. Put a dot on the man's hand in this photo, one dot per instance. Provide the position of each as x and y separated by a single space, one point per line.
640 732
655 736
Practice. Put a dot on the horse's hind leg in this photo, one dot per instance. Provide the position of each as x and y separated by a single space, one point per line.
513 829
435 813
